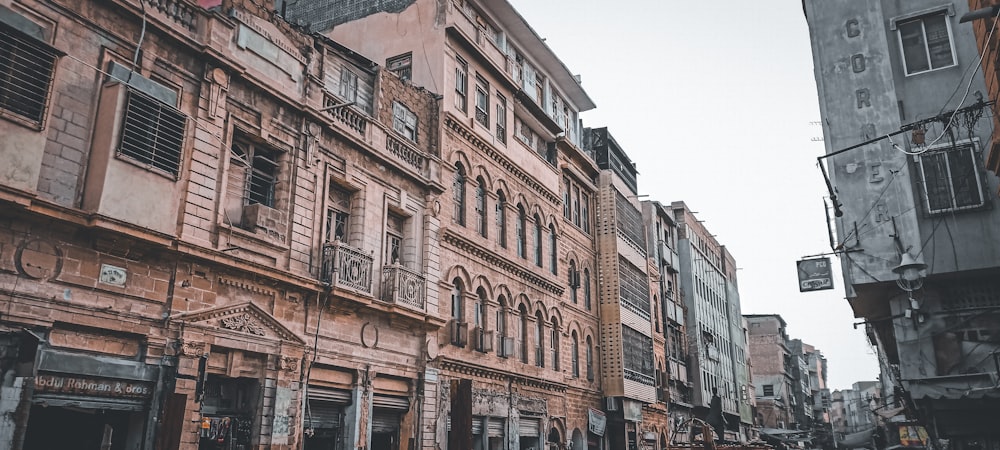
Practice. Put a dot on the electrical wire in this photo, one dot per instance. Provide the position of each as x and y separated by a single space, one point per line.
951 119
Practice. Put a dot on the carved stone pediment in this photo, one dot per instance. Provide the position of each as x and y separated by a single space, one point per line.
246 318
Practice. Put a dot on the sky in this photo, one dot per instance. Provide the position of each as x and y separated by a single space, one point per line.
714 101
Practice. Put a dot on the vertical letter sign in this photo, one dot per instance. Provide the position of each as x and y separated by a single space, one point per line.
815 274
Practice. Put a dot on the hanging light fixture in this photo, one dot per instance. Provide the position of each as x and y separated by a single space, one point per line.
910 272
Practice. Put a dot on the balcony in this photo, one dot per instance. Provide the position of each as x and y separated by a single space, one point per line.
403 286
347 267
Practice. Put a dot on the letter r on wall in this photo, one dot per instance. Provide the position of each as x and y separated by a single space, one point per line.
864 97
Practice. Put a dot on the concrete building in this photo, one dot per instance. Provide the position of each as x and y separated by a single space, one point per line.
202 243
915 216
774 364
714 323
661 238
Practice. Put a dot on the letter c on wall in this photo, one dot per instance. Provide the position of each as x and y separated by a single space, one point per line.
853 28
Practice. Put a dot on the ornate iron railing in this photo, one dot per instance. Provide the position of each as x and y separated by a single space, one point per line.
403 286
347 267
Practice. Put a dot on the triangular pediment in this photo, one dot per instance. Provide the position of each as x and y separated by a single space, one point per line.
246 318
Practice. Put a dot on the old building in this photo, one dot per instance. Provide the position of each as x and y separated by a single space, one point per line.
774 364
718 355
661 244
916 223
214 233
982 17
518 222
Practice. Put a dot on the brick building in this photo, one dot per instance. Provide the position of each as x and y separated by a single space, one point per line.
774 364
215 232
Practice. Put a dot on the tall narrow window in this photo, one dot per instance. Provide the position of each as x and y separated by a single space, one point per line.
458 190
575 356
585 212
481 207
554 344
457 307
553 253
590 359
567 203
337 213
261 168
501 219
574 281
576 205
482 102
586 288
539 340
501 119
461 84
348 88
522 232
523 312
479 320
538 241
501 326
394 238
404 121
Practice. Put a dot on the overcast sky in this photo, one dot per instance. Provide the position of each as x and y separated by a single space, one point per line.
713 102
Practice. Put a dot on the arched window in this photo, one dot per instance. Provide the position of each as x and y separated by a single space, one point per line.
539 340
458 188
574 281
575 356
479 321
481 207
586 288
590 359
522 232
553 254
538 241
501 326
554 344
501 219
524 333
456 301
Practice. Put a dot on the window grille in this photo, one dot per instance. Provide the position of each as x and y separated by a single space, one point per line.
152 133
26 67
951 179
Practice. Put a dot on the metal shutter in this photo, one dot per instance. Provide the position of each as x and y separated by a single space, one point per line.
528 427
385 421
390 402
495 427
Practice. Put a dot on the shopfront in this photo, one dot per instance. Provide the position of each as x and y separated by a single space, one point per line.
90 402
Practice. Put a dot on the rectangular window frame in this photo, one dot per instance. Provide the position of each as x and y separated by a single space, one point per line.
404 121
148 141
10 108
971 150
348 87
401 65
461 84
482 102
897 23
501 119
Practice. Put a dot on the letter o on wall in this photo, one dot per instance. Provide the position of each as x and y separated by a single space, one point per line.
858 63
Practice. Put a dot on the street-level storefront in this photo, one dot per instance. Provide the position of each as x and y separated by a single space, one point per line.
87 401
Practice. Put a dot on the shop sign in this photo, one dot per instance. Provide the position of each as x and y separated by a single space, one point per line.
815 274
98 387
597 421
912 436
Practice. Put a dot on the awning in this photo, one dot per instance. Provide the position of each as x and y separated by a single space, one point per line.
861 439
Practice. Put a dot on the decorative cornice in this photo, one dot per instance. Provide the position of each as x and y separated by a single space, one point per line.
246 286
192 348
470 248
504 162
467 368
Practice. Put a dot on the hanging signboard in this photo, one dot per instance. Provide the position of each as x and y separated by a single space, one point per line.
597 421
815 274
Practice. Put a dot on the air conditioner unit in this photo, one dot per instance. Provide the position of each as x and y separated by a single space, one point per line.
610 404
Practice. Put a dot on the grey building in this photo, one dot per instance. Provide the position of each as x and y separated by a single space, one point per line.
917 223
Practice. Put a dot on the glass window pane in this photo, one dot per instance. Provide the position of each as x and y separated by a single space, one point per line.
938 42
914 47
964 178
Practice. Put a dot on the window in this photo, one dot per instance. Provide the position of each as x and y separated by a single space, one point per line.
501 219
951 179
481 207
393 238
574 281
586 288
567 202
253 170
457 310
553 254
153 135
538 241
521 231
501 119
401 65
404 121
539 340
348 84
26 66
575 356
926 43
501 326
590 359
768 390
461 84
338 214
458 190
585 212
576 204
479 320
482 102
554 344
523 311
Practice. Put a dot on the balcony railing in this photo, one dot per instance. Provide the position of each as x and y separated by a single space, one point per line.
347 267
182 12
639 377
405 153
346 116
403 286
